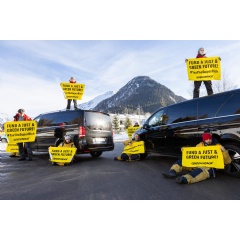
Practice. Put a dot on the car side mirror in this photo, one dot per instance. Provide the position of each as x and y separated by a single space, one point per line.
146 126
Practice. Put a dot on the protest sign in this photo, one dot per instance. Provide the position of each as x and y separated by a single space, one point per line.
72 91
61 154
210 156
135 148
12 147
21 131
131 130
203 69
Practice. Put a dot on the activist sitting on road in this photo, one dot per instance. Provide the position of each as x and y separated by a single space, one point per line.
200 173
21 116
72 80
68 143
129 157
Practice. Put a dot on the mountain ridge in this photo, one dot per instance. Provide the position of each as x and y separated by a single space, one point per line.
140 94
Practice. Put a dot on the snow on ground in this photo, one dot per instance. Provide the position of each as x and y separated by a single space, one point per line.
122 136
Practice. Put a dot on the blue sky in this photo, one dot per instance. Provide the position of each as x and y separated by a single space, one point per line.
31 71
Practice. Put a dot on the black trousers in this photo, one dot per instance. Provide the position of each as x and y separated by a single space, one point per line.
69 103
27 145
197 85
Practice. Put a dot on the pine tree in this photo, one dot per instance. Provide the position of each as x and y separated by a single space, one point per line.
127 123
115 123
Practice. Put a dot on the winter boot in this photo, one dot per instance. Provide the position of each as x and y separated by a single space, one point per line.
170 174
181 180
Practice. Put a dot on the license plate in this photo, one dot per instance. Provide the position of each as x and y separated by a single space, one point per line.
99 140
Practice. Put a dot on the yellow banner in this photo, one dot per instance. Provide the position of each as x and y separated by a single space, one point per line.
61 154
135 148
210 156
21 131
131 130
203 69
73 90
12 147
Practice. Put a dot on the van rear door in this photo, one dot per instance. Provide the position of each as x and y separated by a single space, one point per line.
98 129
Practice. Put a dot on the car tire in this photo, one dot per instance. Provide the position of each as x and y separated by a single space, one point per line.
4 140
143 156
233 169
95 154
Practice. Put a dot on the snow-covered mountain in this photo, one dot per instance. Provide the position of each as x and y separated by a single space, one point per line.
140 92
94 102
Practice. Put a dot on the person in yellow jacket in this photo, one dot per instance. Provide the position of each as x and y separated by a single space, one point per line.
67 143
197 174
129 157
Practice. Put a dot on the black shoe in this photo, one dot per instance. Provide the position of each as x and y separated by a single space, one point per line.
170 174
22 159
29 159
76 108
115 159
181 180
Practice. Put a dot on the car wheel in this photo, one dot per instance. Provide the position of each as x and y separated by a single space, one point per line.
143 156
95 154
4 140
233 169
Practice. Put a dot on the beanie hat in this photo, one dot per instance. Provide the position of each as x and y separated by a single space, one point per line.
67 137
21 110
206 136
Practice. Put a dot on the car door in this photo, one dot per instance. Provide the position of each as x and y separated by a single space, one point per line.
182 120
157 135
45 131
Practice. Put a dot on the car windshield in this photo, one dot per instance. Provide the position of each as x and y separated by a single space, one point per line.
156 119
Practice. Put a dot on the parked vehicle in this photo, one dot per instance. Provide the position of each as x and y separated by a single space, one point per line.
91 131
182 124
3 138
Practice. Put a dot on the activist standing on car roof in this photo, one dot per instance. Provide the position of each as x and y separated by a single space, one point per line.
200 173
197 84
129 157
72 80
21 116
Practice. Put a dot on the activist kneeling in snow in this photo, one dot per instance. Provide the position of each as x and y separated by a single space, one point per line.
200 173
129 157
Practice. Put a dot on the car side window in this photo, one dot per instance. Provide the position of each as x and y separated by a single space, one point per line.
37 119
182 112
156 119
208 107
69 117
48 120
231 106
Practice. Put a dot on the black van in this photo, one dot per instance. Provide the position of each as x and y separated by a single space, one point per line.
91 131
182 124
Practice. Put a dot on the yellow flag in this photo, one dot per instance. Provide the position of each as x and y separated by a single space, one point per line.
61 154
21 131
73 90
210 156
204 69
135 148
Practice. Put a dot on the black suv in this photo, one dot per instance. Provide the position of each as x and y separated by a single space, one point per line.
91 131
182 124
